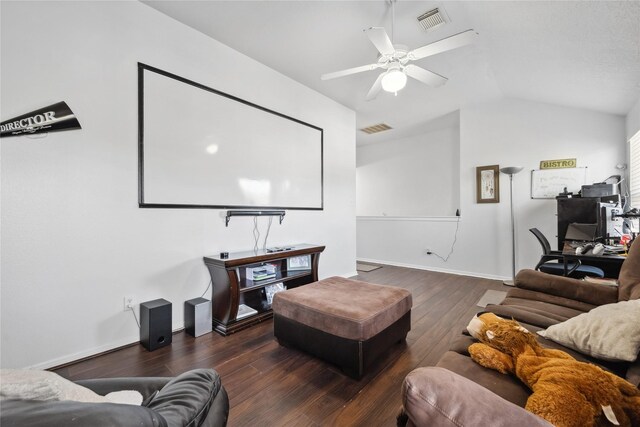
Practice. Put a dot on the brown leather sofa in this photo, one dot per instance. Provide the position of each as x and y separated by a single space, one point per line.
538 301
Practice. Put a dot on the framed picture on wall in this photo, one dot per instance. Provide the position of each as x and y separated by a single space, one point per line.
488 184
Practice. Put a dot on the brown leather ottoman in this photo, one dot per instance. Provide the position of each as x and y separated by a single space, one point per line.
342 321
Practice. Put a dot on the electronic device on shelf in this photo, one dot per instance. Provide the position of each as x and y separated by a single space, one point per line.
261 272
279 249
245 311
599 189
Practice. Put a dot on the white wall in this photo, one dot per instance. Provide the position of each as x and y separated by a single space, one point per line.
508 132
633 120
413 176
74 241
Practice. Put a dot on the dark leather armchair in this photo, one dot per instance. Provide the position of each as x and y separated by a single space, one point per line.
552 262
195 398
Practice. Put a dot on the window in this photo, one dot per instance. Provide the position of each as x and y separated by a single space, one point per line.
634 170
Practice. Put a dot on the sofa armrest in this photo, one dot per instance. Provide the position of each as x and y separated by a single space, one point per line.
219 410
566 287
438 397
47 413
186 399
146 386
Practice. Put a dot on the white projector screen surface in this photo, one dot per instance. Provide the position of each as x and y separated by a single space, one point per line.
201 148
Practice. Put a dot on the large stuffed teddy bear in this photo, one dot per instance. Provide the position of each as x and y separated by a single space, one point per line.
567 393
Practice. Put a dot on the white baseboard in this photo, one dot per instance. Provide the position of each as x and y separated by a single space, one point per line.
440 270
69 358
111 346
346 275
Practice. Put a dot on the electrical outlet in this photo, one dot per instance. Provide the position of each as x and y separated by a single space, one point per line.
129 302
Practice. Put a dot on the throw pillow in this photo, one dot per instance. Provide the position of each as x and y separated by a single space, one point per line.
25 384
609 332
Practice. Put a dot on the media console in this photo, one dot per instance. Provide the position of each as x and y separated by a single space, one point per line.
231 287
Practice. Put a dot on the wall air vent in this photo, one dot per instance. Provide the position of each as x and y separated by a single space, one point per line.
380 127
433 19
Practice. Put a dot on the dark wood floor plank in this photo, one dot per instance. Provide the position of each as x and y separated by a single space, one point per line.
374 401
271 385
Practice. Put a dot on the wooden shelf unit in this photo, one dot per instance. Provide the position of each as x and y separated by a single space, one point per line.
231 287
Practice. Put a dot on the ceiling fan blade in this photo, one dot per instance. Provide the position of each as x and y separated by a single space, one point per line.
376 88
349 71
427 77
453 42
380 39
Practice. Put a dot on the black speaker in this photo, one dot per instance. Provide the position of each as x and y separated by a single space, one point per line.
155 324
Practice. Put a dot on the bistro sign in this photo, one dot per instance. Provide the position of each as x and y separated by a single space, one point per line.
53 118
558 164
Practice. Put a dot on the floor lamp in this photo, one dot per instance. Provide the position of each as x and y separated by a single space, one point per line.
512 170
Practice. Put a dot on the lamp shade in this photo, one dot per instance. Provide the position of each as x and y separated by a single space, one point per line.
511 170
394 80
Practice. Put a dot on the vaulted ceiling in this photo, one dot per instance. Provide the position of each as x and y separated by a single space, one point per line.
583 54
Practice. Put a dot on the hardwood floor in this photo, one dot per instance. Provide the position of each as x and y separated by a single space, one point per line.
270 385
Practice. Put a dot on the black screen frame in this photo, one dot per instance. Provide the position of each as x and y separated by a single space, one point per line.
141 202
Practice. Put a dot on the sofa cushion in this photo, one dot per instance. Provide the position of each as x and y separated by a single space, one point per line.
629 278
461 345
345 308
608 332
506 386
438 397
633 373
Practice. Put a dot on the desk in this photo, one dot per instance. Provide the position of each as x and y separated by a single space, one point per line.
610 264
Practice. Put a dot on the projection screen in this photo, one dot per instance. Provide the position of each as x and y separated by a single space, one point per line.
202 148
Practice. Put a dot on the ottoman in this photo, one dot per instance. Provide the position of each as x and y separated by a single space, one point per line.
345 322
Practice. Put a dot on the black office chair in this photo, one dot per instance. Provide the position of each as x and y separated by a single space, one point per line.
552 262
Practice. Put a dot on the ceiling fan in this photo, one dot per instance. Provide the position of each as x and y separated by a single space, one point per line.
395 59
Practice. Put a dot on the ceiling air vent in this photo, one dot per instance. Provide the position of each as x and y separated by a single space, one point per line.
433 19
380 127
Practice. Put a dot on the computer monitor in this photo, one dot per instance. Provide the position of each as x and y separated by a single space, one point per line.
581 232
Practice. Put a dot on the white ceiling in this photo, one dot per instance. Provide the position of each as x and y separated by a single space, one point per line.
583 54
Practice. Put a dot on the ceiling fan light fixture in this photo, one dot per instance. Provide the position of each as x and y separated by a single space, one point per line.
394 80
